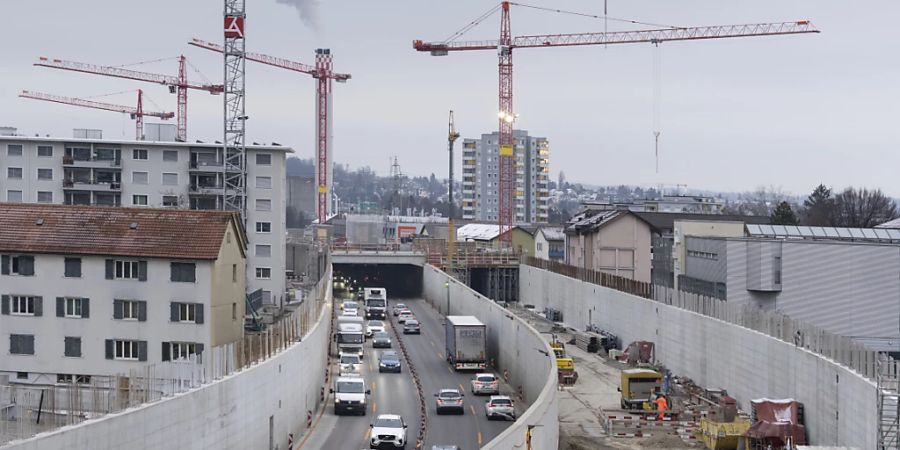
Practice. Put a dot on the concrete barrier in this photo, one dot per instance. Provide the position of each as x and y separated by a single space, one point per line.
256 408
840 405
518 352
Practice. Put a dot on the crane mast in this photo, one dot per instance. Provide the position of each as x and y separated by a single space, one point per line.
452 136
234 150
507 43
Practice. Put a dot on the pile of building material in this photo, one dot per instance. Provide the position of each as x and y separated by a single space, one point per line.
553 315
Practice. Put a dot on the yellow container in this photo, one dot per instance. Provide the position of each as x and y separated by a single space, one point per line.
722 435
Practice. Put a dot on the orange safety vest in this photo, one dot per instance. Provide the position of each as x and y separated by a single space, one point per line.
661 405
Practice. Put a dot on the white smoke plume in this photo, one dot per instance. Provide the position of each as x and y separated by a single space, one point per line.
308 10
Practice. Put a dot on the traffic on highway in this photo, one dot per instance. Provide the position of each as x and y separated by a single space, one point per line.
373 401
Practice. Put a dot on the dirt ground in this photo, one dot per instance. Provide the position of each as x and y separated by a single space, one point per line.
671 442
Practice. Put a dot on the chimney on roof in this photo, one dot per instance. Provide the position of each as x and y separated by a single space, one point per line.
8 131
39 221
133 225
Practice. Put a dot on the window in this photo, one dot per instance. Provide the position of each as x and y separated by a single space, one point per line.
21 375
72 348
139 177
233 311
73 267
170 155
45 151
126 350
263 227
139 154
186 312
127 269
45 174
183 272
263 250
234 273
130 310
69 378
14 150
17 265
21 344
14 173
539 246
170 200
263 159
139 200
45 197
174 351
73 307
263 205
170 179
264 182
22 305
263 273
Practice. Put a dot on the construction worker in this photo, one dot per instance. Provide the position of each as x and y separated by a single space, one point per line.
661 405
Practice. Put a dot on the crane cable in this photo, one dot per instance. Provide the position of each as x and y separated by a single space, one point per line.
657 94
604 17
472 24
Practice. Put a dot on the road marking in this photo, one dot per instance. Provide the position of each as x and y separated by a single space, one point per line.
479 438
472 407
373 385
366 434
440 355
432 343
374 408
449 369
461 388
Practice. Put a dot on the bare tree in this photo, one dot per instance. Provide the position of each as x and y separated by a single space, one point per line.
863 208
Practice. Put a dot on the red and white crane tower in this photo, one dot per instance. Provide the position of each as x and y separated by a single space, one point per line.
137 113
322 72
177 84
507 43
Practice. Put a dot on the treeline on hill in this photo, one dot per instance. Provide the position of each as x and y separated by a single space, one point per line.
851 207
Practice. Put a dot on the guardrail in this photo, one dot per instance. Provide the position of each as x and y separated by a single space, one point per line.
420 394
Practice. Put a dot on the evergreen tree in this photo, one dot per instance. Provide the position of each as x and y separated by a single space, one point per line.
784 215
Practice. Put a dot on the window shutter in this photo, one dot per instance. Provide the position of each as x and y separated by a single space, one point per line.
142 270
85 308
166 348
110 269
142 311
142 350
38 306
198 312
28 344
109 349
117 309
26 265
4 304
173 272
173 311
199 351
73 347
14 344
60 307
191 272
73 267
4 264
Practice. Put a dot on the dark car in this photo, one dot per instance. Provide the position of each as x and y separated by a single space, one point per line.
450 400
381 339
412 327
389 362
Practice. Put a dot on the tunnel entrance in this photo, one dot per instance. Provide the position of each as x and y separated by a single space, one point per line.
400 280
500 284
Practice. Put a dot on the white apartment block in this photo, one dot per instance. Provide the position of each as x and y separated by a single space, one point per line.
481 178
96 291
155 175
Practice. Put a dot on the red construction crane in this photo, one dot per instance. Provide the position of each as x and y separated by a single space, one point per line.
507 43
321 71
178 84
137 113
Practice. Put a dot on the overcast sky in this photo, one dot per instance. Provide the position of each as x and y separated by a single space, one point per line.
788 111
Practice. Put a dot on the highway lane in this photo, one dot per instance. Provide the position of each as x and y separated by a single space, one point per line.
392 393
471 430
395 393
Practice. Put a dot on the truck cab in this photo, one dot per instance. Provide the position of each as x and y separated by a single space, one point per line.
638 386
375 300
350 395
350 337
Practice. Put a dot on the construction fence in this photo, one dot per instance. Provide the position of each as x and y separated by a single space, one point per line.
26 410
876 366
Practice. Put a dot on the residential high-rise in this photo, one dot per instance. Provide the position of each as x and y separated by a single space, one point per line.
481 178
84 171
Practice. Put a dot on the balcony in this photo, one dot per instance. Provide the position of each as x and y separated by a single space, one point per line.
206 166
92 185
207 189
98 163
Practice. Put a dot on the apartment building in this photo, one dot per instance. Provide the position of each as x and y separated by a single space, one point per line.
614 242
89 291
144 174
481 178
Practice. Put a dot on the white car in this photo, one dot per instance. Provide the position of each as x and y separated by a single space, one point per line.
388 431
485 384
500 406
350 363
374 326
350 312
349 304
405 315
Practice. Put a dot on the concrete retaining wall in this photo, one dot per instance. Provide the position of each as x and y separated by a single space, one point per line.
515 347
242 411
840 405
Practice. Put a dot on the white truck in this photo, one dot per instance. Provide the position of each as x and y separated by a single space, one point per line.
465 343
350 335
349 395
375 300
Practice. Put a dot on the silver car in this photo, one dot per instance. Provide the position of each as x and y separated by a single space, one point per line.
500 406
485 384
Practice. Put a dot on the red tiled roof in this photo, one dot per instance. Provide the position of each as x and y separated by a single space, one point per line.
107 231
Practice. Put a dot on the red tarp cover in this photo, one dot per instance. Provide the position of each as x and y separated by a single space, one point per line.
777 419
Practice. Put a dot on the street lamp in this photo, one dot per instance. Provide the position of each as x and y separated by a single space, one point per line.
447 285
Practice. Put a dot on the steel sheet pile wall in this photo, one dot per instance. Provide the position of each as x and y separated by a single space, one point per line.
840 404
518 352
235 412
